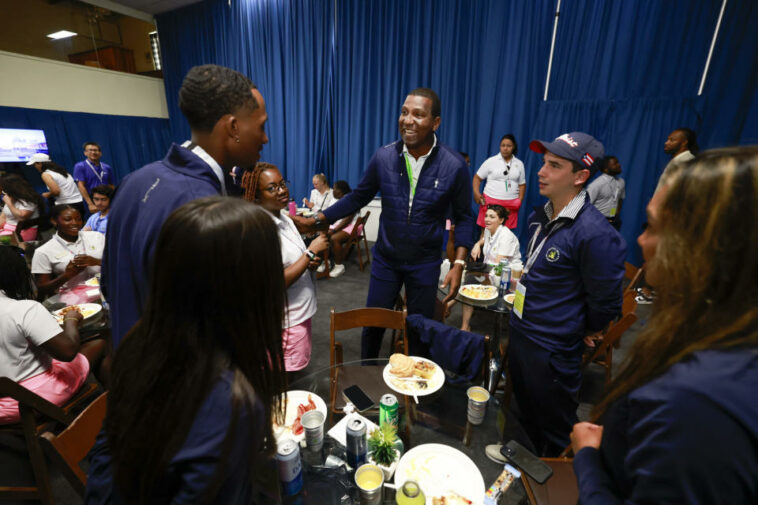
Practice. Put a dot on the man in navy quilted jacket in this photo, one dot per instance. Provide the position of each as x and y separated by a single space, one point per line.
570 288
419 179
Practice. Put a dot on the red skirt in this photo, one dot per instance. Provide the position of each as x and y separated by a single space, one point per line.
511 205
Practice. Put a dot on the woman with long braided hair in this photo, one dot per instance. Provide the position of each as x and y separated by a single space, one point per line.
266 187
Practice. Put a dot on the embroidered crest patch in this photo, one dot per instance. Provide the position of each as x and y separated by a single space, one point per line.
552 255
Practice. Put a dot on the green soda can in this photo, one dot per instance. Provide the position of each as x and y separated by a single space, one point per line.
388 410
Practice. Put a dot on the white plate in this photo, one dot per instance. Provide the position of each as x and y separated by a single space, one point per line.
88 310
408 387
441 470
492 289
509 297
294 399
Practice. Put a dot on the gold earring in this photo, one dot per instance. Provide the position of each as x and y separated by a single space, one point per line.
237 139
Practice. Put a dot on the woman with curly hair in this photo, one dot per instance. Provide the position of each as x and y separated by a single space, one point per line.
680 422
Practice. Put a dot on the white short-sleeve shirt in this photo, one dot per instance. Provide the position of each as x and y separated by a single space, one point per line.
502 243
319 201
24 326
69 192
301 295
500 186
53 256
20 205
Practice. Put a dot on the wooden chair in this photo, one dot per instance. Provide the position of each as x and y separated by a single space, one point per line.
368 378
560 489
358 237
69 448
634 275
37 416
603 354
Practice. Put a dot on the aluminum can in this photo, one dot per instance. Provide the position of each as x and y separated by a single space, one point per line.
355 438
388 410
290 467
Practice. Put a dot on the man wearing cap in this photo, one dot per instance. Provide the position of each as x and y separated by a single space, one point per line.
92 172
570 287
420 180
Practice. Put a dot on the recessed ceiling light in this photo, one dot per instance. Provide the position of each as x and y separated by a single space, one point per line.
61 34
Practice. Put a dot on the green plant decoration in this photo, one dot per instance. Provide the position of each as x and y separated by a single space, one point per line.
381 445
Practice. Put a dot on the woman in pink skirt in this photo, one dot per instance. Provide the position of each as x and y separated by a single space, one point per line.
35 351
506 182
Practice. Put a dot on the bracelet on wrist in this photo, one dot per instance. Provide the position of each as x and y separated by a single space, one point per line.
460 262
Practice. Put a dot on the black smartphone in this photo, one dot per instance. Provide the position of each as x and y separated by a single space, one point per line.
530 464
357 397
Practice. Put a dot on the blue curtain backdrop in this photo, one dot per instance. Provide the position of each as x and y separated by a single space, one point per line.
334 74
127 142
285 47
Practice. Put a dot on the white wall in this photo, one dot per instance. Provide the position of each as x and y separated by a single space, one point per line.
36 83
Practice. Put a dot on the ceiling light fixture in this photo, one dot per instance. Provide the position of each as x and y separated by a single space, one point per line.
63 34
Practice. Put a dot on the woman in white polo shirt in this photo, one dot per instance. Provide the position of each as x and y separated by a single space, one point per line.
21 203
35 351
60 184
497 242
298 260
506 182
321 195
69 258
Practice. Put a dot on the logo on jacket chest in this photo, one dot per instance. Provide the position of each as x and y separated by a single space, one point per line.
552 255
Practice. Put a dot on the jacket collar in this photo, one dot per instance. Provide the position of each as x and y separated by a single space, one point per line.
187 163
569 213
436 147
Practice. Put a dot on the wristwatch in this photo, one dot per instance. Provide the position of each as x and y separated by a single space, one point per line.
311 254
317 220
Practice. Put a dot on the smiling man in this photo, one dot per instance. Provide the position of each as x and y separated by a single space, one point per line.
227 117
420 179
570 287
92 172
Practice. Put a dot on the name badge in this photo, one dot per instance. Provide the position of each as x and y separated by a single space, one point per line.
518 300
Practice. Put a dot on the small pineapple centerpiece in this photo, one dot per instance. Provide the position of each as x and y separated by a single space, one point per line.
382 449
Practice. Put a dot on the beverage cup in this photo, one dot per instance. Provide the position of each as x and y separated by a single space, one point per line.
477 404
517 268
369 479
313 424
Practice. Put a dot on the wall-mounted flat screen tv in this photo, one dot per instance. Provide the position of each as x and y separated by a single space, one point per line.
19 145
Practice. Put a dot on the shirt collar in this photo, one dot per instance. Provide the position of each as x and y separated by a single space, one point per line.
434 144
683 153
570 211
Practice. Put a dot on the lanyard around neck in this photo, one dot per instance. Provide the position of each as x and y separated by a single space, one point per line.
410 174
92 167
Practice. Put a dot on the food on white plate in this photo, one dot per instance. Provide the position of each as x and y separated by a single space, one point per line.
297 428
402 365
423 369
452 499
479 291
85 310
509 298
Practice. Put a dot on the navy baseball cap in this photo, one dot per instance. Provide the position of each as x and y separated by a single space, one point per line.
575 146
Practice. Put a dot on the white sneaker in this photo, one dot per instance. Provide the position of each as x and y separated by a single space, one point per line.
321 268
337 270
493 452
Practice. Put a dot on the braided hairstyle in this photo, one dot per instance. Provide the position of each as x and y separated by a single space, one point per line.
250 179
209 92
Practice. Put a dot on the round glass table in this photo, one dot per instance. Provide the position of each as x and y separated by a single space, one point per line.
437 418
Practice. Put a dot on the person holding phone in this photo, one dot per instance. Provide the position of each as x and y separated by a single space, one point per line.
680 421
299 262
506 182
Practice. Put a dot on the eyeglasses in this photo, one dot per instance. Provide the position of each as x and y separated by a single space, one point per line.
275 188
